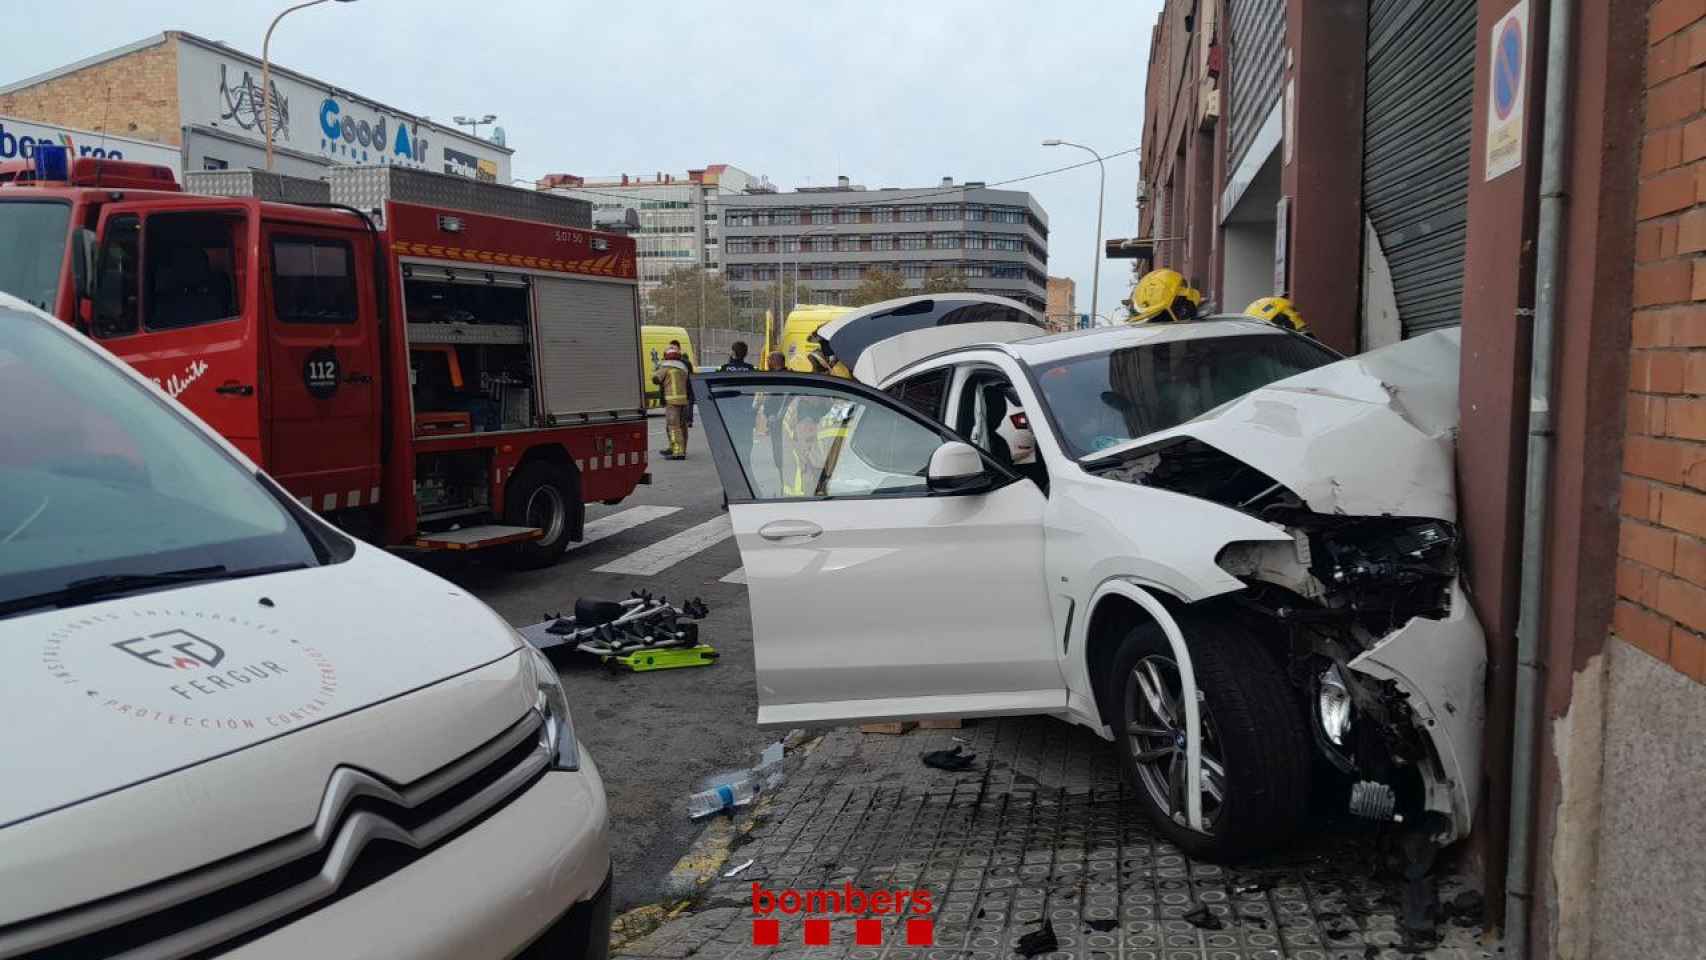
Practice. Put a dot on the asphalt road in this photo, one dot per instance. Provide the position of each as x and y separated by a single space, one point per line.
655 736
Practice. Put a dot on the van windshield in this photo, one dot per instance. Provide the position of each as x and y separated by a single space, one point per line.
102 483
33 234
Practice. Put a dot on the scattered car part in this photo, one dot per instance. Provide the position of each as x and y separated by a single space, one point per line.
639 634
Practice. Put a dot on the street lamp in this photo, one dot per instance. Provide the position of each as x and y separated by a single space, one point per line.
473 122
266 71
1095 262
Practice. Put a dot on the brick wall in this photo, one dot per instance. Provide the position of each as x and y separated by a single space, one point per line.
135 94
1661 568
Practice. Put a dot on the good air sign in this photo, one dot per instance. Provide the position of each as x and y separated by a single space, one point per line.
223 92
1507 91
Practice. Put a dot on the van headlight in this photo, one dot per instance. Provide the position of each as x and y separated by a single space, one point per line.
552 702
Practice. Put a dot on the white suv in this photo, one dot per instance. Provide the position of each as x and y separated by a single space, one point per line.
1230 546
232 730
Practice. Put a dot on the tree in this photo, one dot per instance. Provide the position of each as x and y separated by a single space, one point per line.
878 284
676 301
949 280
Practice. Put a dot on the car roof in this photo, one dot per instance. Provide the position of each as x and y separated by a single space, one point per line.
1077 343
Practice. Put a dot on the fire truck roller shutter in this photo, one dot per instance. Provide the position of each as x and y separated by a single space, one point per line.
588 348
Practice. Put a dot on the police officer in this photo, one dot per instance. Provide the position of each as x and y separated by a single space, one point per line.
737 359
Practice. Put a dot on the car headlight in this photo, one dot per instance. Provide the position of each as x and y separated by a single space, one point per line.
1333 705
552 703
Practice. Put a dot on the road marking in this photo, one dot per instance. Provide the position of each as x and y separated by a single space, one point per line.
670 551
623 520
738 576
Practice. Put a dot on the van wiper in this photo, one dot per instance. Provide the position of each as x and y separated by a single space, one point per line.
90 589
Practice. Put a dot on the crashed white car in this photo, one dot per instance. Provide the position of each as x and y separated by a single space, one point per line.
231 730
1230 544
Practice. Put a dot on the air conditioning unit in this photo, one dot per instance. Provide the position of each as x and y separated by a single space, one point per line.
1208 105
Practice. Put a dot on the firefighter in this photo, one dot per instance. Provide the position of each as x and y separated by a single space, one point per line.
1163 296
671 375
1277 311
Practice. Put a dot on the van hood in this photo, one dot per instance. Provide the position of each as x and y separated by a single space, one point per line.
107 695
1368 435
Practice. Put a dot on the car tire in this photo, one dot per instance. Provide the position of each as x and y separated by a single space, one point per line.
542 495
1253 729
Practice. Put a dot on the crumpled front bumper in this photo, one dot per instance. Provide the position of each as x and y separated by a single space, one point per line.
1442 666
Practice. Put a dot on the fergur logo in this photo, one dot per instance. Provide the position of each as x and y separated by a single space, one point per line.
193 653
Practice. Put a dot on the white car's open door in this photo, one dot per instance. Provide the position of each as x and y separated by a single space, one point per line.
875 596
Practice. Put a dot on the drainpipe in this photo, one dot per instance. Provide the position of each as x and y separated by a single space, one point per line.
1530 656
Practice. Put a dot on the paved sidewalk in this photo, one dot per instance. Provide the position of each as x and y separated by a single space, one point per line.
1041 828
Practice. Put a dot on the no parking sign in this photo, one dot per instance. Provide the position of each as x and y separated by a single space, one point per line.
1507 91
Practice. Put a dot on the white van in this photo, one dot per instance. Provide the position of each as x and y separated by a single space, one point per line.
232 730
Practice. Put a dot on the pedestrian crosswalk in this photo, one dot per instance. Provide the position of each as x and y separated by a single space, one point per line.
658 555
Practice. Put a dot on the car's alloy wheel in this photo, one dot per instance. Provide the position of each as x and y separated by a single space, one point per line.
1255 749
1155 736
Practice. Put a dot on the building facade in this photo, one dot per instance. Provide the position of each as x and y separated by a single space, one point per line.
1381 163
680 217
204 99
828 237
1061 313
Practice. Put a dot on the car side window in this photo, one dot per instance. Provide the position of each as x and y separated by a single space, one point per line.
925 392
313 280
991 415
829 443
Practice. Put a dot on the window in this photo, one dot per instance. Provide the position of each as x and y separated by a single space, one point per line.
925 392
117 286
847 244
945 241
1103 399
820 244
102 478
313 280
833 444
883 242
913 214
882 215
914 271
915 241
823 272
974 212
791 245
32 247
945 211
190 274
213 163
821 215
846 215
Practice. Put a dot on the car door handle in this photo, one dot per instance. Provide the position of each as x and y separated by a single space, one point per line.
790 530
235 389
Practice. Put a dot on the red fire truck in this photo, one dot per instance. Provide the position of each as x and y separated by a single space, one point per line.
420 373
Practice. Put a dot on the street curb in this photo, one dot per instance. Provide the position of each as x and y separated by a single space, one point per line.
701 864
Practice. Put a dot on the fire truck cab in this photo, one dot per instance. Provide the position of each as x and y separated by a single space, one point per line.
419 374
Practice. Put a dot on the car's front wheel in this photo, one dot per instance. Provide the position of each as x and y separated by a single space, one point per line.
1255 751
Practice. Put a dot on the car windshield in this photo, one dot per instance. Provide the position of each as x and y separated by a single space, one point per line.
100 480
1100 400
32 249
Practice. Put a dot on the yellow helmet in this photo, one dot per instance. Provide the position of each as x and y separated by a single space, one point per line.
1278 311
1161 296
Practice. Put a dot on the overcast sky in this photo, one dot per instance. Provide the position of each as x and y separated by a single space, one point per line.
888 92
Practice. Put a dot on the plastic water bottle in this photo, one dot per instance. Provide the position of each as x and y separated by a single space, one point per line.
724 796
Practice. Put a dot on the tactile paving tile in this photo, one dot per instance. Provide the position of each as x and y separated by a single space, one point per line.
1042 827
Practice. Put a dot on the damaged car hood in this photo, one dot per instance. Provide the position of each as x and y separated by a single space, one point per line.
1368 435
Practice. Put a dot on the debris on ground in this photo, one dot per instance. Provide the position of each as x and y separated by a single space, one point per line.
736 871
1204 920
1467 909
1250 886
952 760
738 788
1102 926
891 727
1040 940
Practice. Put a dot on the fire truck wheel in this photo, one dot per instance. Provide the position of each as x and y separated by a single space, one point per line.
541 495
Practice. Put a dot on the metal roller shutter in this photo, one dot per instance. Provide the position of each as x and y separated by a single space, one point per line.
1415 161
1255 31
589 348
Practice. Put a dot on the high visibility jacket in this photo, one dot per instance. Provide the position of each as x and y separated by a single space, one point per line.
672 376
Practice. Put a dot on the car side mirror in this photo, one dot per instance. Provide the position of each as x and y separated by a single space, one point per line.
957 467
83 262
